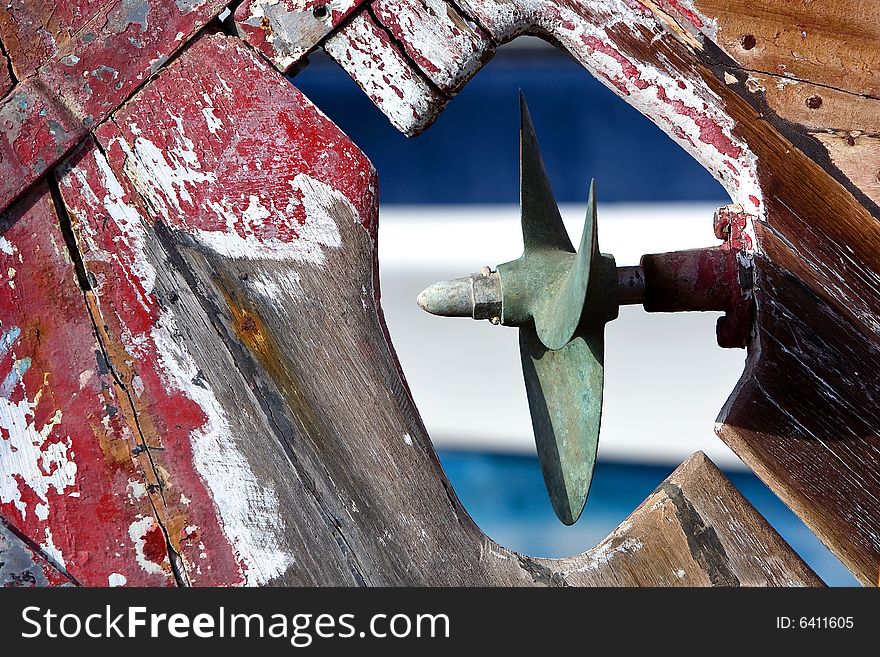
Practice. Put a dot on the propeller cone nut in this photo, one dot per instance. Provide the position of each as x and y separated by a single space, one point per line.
477 296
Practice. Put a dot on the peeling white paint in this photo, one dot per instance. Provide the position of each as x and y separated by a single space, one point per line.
136 489
84 377
642 84
604 552
433 31
137 532
323 207
111 197
679 106
293 29
214 124
53 554
163 180
116 579
278 290
384 75
32 457
250 512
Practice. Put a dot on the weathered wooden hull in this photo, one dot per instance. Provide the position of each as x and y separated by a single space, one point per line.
199 387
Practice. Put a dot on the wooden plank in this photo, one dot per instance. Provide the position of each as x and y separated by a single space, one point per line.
96 71
258 187
448 47
365 50
843 125
631 51
857 156
70 478
109 229
679 537
805 415
23 566
817 107
827 42
284 31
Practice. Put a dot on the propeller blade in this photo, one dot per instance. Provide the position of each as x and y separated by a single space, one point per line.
564 389
558 317
591 221
542 225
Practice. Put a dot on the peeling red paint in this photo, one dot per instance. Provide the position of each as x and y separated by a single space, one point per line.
81 83
32 31
130 312
628 68
710 131
154 545
679 8
238 152
66 461
262 148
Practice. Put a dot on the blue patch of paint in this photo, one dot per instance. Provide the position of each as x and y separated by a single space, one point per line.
14 377
9 337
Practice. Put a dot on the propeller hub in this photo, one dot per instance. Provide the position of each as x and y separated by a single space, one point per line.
477 296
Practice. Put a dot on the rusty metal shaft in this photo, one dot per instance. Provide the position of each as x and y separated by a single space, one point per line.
691 280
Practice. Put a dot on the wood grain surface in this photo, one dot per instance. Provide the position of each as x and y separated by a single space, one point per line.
192 330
